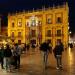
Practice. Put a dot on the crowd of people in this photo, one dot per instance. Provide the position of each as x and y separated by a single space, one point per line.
10 56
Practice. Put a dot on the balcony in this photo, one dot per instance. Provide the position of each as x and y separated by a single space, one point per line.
59 35
50 35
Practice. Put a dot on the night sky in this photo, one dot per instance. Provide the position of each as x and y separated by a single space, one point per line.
20 5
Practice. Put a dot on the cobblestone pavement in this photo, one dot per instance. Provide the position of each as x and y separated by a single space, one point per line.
32 64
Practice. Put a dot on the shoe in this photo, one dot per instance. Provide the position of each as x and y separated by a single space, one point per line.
15 68
57 68
60 66
3 68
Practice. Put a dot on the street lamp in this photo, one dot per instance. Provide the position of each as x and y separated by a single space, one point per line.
68 27
70 32
70 36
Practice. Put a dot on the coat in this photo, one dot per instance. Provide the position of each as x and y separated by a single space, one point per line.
58 50
45 47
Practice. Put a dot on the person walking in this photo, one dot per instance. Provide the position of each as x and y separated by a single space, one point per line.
59 48
2 56
17 53
7 57
45 48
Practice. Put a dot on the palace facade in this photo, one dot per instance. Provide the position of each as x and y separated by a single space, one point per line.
36 26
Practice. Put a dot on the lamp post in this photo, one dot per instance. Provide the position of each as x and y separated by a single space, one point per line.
70 36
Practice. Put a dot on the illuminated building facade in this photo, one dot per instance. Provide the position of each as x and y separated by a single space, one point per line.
39 25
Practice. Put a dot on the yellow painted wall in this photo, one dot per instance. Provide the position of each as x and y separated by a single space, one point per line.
42 15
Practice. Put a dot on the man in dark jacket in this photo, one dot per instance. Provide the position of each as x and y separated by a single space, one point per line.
45 48
58 54
7 57
2 56
17 54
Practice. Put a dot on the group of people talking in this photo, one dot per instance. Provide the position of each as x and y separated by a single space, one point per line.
46 48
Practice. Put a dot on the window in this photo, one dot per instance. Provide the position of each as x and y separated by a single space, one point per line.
58 40
48 33
19 41
19 34
59 20
12 40
27 24
33 33
58 32
39 22
12 34
49 18
33 41
33 23
49 40
49 21
13 24
19 22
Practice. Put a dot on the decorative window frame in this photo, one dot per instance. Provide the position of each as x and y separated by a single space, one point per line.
19 34
59 35
57 17
49 18
46 31
12 34
19 22
13 21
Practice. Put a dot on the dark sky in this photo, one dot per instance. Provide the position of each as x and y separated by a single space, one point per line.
20 5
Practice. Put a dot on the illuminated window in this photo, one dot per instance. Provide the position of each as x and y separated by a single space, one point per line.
19 41
49 40
58 40
58 32
49 21
27 24
33 23
13 24
48 33
33 33
39 23
59 20
33 41
20 22
12 34
19 34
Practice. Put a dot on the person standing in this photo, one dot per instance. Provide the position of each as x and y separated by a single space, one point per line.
45 48
17 53
7 57
2 56
59 48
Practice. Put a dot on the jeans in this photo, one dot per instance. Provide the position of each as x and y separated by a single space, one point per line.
45 58
17 61
59 60
7 63
2 62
